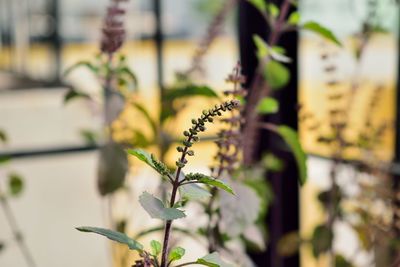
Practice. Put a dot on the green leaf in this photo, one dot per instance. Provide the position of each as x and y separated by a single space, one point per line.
15 184
268 105
294 18
128 72
193 192
113 235
340 261
181 92
261 5
89 136
155 247
85 64
190 90
72 94
140 139
322 31
156 209
3 136
292 140
217 183
264 50
213 260
261 45
321 240
276 74
147 116
112 168
176 254
273 10
149 160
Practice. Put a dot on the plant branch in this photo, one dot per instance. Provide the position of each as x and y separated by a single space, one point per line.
12 221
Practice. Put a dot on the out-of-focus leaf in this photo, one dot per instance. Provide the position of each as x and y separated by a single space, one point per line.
182 92
190 90
147 116
276 74
4 159
155 247
3 136
321 31
112 168
292 140
268 105
273 10
15 184
140 139
89 136
113 235
341 261
321 240
294 18
264 50
193 192
2 246
86 64
239 211
261 5
364 236
73 94
156 209
273 163
213 260
289 244
176 254
129 73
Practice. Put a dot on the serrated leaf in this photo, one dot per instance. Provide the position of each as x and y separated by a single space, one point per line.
149 160
193 192
113 235
157 210
15 184
294 18
276 74
321 31
268 105
213 260
217 183
176 254
292 140
112 168
155 247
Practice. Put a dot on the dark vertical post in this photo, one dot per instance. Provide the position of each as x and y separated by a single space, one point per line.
159 40
55 38
284 213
